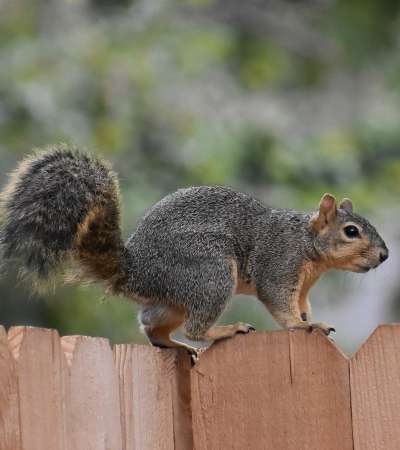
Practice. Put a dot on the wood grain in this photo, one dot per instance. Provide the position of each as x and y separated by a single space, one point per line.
123 362
155 388
10 437
93 407
281 390
375 391
41 370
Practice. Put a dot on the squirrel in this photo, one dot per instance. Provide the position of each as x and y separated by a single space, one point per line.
190 253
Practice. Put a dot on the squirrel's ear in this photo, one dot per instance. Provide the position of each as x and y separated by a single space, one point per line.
326 213
346 204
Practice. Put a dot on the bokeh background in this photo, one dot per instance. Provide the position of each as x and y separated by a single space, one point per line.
282 99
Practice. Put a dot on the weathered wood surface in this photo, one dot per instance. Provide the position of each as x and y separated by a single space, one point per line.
155 393
280 390
10 432
375 391
42 375
92 395
77 393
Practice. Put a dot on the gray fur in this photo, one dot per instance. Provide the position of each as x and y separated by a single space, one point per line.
182 250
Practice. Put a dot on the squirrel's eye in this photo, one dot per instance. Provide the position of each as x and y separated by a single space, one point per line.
351 231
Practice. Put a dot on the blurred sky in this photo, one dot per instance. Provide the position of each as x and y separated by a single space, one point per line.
285 100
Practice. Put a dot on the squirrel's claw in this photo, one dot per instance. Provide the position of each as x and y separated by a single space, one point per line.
194 354
324 327
244 328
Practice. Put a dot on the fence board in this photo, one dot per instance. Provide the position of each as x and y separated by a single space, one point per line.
10 437
92 395
41 373
375 391
123 362
155 389
281 391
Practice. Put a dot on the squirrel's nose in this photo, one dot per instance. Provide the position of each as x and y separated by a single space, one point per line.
383 255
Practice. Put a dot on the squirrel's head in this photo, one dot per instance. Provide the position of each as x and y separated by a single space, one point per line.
345 240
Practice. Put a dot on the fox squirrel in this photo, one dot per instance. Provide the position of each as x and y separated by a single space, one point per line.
190 253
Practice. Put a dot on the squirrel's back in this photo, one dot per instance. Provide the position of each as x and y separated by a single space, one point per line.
61 203
203 209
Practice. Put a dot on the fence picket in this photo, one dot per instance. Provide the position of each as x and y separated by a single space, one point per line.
281 390
41 371
155 389
93 409
10 434
375 391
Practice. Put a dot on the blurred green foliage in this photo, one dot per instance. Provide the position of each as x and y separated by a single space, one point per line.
283 99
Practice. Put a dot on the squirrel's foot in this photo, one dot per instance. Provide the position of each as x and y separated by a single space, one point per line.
244 328
325 327
197 346
226 331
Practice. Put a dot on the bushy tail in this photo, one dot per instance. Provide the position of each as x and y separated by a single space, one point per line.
61 203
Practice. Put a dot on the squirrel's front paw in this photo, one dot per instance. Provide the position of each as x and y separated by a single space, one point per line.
325 327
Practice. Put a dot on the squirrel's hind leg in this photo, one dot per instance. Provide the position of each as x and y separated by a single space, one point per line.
158 322
201 330
226 331
207 305
215 333
199 343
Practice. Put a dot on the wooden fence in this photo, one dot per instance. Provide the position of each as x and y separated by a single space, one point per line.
280 390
